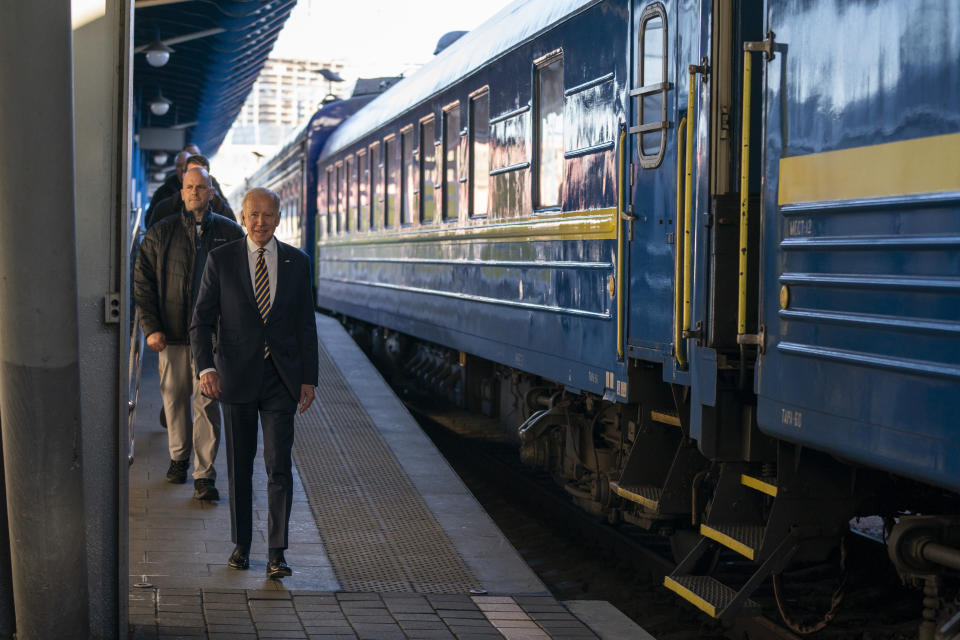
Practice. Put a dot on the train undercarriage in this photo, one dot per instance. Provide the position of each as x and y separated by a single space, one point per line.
771 502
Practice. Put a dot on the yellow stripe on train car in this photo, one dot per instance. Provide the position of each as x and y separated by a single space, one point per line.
919 165
596 224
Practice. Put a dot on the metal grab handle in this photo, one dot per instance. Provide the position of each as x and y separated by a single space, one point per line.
744 197
621 182
678 264
688 203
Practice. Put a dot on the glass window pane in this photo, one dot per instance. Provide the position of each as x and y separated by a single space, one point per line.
652 108
376 186
479 154
651 105
652 72
351 194
550 133
428 172
451 143
406 177
340 196
331 203
363 176
391 168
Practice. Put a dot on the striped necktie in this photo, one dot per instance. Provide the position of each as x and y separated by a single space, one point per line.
261 289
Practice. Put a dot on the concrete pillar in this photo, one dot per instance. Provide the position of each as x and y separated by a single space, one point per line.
39 374
102 67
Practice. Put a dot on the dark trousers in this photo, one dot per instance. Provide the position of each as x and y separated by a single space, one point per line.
276 408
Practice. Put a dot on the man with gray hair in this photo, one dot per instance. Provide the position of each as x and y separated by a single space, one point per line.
166 281
257 293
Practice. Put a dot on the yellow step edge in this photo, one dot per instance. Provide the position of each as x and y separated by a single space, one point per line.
634 497
665 418
690 596
758 484
734 545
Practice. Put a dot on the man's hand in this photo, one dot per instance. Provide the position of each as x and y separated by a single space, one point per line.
306 397
210 384
157 341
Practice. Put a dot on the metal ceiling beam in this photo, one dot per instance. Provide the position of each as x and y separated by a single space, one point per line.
184 38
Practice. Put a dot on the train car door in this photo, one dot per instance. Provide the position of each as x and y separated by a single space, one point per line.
860 293
652 167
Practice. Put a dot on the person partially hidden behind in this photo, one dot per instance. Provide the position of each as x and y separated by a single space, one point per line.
166 282
257 290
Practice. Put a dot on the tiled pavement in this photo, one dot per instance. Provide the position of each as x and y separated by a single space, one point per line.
231 613
182 588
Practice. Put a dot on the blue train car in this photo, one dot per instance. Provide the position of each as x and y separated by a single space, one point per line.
700 257
433 227
291 173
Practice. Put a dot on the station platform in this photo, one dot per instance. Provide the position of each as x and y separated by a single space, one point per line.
385 540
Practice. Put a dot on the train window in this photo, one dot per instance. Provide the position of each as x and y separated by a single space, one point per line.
406 176
549 132
652 90
350 193
363 180
340 197
451 145
391 170
376 187
428 171
331 203
479 153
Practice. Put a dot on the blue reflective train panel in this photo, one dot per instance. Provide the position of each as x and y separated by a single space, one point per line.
861 272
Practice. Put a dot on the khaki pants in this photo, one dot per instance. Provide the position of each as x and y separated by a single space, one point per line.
178 381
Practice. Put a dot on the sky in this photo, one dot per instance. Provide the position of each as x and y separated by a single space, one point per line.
377 37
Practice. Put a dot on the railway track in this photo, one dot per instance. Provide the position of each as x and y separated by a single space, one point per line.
576 555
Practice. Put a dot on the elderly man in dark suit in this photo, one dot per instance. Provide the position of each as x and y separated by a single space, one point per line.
256 295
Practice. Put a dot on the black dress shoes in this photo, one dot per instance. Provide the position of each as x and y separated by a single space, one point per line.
278 568
240 559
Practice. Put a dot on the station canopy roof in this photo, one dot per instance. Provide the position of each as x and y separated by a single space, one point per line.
219 48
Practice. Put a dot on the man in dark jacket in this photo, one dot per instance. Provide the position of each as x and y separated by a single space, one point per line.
166 281
174 204
171 185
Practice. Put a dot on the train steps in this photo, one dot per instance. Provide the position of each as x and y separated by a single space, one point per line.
737 523
770 520
660 484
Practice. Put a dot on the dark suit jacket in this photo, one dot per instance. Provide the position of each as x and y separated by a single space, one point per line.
226 306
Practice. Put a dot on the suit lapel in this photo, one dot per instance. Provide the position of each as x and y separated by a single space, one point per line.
244 267
284 266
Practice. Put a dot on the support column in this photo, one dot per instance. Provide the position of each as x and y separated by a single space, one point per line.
39 374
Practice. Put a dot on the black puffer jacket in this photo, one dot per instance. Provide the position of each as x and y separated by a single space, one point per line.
163 275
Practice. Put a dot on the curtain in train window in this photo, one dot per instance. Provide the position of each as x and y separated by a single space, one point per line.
391 170
479 154
376 187
406 176
428 171
652 90
451 144
363 180
341 191
549 131
351 193
330 204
